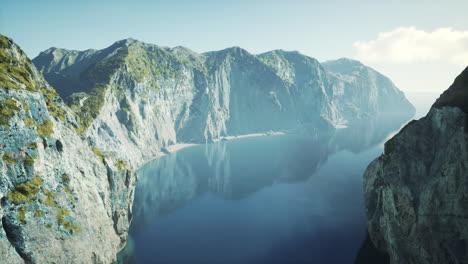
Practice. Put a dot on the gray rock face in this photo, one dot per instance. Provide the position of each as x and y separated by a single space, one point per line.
416 193
62 201
156 96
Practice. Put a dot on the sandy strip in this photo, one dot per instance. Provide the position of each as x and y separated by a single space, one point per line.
179 146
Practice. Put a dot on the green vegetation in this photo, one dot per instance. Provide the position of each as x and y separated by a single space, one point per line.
91 107
8 158
8 108
150 64
51 97
121 165
50 198
68 225
25 106
46 129
28 161
38 213
32 145
12 68
268 60
70 194
66 178
29 122
22 215
25 192
98 153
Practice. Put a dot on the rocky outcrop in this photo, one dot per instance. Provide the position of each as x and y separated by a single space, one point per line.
62 199
416 193
136 98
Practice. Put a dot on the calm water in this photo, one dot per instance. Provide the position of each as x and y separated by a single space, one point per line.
274 199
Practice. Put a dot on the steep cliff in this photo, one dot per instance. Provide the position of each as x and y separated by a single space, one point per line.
62 200
416 193
136 98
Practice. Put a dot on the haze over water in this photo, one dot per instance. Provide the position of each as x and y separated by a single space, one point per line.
272 199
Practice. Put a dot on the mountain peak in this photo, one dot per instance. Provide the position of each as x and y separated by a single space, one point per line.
457 94
344 61
126 41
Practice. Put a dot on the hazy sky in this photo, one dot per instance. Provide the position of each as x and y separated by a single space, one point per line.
420 45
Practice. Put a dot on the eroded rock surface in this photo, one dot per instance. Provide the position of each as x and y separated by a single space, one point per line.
416 193
62 200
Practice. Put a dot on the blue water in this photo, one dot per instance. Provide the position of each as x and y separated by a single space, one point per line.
274 199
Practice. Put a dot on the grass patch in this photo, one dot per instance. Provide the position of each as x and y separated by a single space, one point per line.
8 107
70 194
51 98
91 107
29 122
28 161
50 198
8 158
22 215
121 165
38 213
25 192
14 72
66 178
45 129
99 153
62 214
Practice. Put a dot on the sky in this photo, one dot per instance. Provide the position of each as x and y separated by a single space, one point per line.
421 45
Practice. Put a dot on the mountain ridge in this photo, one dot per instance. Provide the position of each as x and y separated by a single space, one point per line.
204 97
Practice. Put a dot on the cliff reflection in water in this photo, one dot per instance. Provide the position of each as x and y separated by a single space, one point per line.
327 200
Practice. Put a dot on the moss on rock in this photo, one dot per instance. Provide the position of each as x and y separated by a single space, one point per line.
8 107
25 192
62 215
28 161
9 158
38 213
45 129
22 215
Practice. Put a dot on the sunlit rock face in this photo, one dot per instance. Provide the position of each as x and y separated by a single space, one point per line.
136 98
62 200
416 194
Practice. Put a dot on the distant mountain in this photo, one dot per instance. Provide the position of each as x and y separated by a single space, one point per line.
137 98
416 193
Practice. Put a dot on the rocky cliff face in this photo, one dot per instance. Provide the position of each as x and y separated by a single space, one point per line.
136 98
62 199
416 193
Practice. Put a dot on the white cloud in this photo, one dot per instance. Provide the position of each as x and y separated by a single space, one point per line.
409 45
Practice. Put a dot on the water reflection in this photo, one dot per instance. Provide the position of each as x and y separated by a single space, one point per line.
281 194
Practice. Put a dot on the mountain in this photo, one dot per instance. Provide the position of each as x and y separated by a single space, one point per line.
136 98
416 193
68 154
62 199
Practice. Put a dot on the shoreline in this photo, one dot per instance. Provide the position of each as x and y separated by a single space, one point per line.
178 146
